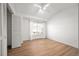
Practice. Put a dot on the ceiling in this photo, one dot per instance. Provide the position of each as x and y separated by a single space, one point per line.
29 9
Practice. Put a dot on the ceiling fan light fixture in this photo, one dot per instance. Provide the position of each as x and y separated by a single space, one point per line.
41 11
37 5
42 6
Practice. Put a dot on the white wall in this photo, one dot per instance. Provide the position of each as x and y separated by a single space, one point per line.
25 28
63 27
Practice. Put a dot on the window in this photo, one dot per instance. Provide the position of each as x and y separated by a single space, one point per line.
37 28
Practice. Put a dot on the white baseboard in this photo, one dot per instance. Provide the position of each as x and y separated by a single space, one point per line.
64 43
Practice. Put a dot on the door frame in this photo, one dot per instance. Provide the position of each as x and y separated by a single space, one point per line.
11 13
10 10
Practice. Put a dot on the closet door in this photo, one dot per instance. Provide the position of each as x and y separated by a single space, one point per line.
16 31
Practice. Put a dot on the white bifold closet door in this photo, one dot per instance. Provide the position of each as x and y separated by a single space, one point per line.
16 31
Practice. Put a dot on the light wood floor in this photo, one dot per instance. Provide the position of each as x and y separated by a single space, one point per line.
43 47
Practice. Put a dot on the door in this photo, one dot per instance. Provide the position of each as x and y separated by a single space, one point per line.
3 29
16 31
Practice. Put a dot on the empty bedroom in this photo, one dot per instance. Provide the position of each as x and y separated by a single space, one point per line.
39 29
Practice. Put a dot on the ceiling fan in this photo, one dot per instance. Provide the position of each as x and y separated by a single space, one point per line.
42 6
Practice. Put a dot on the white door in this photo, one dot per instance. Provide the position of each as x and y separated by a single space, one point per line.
3 29
16 31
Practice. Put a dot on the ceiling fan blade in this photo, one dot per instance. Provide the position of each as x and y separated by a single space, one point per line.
37 5
46 6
